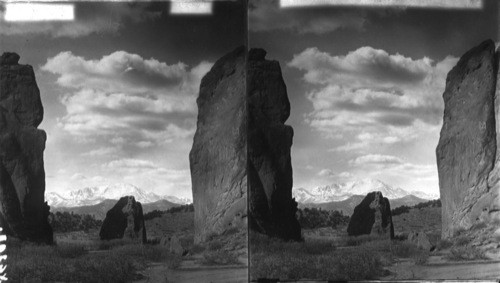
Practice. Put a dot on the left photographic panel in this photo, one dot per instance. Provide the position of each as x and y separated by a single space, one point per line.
123 141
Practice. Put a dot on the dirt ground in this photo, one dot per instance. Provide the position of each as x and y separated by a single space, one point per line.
479 270
190 271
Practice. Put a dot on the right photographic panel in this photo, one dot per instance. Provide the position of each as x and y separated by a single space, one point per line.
372 140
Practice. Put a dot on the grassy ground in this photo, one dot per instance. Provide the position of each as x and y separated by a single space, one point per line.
364 258
118 261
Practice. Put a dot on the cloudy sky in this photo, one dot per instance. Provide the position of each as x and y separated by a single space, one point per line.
366 85
119 87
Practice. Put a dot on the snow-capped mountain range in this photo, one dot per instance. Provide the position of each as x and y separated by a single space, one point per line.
343 191
95 195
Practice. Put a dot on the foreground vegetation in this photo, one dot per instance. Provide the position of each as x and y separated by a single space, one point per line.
360 258
118 262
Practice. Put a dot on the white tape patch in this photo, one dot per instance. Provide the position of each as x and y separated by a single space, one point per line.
191 7
29 12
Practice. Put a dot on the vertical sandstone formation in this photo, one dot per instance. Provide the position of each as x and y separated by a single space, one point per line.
271 206
218 156
125 219
467 147
23 210
372 217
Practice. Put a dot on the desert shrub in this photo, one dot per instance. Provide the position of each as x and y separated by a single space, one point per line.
154 241
174 261
262 244
211 236
214 245
358 264
461 240
219 257
358 240
458 231
231 231
196 249
400 237
109 244
421 258
139 251
479 226
70 250
316 247
187 241
465 253
405 249
444 244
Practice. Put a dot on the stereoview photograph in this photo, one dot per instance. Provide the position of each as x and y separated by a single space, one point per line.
237 141
378 159
123 142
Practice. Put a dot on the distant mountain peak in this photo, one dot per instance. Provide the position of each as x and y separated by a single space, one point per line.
94 195
343 191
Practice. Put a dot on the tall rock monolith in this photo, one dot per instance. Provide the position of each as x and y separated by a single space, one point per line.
468 166
125 220
218 157
272 209
23 210
372 217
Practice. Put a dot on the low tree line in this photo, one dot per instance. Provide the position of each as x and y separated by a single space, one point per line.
405 209
158 213
310 218
70 222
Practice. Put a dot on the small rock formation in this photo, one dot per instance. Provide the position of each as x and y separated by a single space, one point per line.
125 219
173 245
468 155
372 217
218 157
272 208
23 210
420 239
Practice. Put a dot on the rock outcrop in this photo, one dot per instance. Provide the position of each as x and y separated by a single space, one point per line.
272 208
467 153
124 220
218 157
173 245
421 240
23 210
372 217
